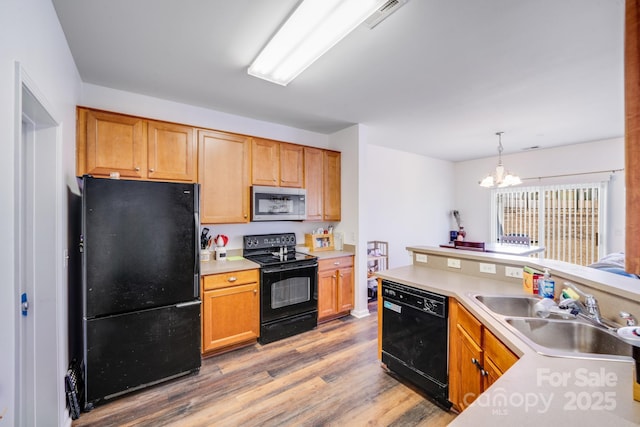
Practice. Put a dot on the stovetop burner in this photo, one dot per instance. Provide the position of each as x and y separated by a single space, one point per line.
275 258
274 249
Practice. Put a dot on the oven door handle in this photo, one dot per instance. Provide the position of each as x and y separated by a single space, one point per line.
279 269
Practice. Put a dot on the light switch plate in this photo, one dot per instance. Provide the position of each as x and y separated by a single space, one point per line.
487 268
513 272
421 257
453 263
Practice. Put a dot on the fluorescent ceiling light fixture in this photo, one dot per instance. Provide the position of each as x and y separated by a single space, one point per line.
498 177
313 28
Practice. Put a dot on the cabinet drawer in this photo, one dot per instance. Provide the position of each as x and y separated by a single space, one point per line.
499 354
470 324
224 280
335 263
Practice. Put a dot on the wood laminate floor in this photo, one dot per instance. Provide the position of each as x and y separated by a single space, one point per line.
326 377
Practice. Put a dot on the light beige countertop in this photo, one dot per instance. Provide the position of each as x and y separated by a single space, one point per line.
226 266
538 389
235 262
348 250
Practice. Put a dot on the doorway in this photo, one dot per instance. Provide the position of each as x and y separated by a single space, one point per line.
39 385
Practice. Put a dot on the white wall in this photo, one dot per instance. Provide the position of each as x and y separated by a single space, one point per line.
473 201
351 142
408 200
31 34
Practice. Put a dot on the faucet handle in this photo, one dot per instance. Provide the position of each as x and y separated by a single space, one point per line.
631 320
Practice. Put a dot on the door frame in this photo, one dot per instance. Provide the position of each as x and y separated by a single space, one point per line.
37 110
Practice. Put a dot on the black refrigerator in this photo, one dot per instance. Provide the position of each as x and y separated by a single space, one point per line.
140 285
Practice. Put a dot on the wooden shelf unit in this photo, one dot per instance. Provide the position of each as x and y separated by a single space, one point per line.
377 260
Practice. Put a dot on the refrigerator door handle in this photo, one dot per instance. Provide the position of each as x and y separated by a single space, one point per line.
196 267
187 304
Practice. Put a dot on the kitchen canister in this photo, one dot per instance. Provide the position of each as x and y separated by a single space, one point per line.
205 254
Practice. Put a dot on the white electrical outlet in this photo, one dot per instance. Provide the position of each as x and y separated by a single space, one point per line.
421 257
513 272
487 268
453 263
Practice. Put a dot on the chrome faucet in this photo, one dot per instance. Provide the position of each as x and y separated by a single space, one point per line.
589 309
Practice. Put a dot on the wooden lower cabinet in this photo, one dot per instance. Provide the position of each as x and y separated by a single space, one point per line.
477 358
230 310
335 287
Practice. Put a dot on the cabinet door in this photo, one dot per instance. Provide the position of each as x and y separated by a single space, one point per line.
224 171
327 293
492 373
332 186
265 167
471 381
345 289
172 151
230 316
497 357
291 165
111 143
313 167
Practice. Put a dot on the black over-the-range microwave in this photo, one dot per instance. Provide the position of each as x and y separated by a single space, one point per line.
278 203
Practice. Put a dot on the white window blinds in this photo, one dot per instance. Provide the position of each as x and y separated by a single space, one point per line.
566 219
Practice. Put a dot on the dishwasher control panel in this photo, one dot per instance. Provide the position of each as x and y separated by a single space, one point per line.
425 301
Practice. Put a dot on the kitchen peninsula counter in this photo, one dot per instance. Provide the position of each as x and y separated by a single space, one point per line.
537 389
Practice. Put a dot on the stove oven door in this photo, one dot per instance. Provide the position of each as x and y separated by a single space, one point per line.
288 291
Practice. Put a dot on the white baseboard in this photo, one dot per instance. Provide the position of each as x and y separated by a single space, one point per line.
359 314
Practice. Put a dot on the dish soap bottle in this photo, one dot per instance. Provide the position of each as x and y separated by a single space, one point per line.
546 285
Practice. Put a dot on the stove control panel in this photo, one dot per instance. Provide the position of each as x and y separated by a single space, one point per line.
265 241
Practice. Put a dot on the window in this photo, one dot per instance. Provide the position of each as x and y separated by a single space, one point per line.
566 219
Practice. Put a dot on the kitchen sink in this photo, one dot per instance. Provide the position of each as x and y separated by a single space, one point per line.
553 337
569 338
509 305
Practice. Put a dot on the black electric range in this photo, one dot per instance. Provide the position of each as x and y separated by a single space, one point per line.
288 285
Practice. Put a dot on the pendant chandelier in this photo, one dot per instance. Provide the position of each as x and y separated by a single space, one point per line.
499 178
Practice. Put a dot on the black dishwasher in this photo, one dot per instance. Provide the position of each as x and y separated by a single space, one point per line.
415 335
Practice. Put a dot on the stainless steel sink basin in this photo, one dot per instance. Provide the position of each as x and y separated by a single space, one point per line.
569 338
509 305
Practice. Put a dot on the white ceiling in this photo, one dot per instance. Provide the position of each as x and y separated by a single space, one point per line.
438 77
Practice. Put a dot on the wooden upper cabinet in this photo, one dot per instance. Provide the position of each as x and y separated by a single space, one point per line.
134 148
224 161
313 158
265 168
110 143
291 165
277 163
172 152
332 186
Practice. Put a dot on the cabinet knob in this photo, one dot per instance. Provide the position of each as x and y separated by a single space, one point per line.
336 263
255 291
334 276
483 372
232 279
341 275
474 361
151 170
136 169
